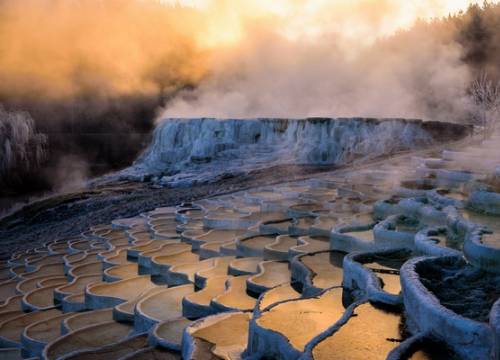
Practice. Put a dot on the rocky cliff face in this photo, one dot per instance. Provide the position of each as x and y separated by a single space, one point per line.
184 151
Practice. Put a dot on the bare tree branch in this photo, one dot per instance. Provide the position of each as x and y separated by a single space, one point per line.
485 94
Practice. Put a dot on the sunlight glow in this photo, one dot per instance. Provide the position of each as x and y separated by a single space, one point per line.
361 20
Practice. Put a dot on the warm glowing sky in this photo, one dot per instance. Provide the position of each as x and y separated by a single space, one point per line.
363 20
62 46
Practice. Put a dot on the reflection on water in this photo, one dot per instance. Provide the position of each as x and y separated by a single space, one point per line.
236 296
370 334
273 274
258 242
326 268
390 283
278 294
300 321
388 273
490 221
387 270
229 335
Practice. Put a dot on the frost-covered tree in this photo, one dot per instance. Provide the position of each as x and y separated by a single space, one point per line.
485 94
22 149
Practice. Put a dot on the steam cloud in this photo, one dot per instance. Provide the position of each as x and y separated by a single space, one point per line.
57 49
110 67
352 65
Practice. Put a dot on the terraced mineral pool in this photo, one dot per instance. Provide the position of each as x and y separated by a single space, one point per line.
187 271
90 268
224 213
229 335
278 294
266 216
81 320
236 296
164 305
305 209
258 243
370 334
387 269
491 221
301 226
366 235
326 268
310 244
220 269
86 259
12 303
153 353
46 330
279 249
55 280
455 195
190 213
409 228
117 350
10 288
39 299
280 227
11 330
391 283
10 314
77 286
50 259
362 219
442 240
272 274
244 266
301 320
214 286
121 272
283 243
326 222
150 246
119 291
91 337
218 248
46 270
219 235
176 259
264 195
171 331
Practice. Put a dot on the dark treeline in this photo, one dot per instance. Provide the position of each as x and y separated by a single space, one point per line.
478 31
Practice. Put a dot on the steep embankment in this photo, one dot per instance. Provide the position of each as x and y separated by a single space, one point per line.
188 151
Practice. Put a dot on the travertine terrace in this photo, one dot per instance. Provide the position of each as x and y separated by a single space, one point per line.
364 263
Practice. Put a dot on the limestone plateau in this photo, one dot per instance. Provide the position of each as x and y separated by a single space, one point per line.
392 252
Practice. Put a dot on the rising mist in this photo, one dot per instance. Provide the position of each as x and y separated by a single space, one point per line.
94 75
